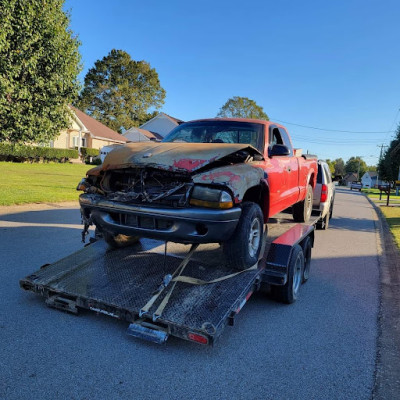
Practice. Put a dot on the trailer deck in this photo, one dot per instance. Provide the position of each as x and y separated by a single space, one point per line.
119 283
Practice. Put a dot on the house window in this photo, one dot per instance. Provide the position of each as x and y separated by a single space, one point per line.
75 141
84 142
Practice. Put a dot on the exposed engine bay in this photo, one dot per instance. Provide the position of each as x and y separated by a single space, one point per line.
146 185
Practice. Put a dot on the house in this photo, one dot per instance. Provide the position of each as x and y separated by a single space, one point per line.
370 179
86 131
161 124
141 135
349 178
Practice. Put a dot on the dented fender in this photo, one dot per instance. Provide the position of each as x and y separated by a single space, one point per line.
238 178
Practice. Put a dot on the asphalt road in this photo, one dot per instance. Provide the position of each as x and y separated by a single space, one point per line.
321 347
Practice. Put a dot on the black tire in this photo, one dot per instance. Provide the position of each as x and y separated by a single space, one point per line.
331 209
243 248
323 223
119 240
307 248
289 293
302 209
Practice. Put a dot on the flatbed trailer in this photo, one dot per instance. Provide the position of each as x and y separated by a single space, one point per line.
191 294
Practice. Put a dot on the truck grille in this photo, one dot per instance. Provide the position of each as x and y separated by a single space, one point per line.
137 221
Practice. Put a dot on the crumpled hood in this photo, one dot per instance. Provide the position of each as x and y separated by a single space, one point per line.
185 157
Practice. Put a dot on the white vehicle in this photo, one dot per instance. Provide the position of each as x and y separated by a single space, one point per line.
324 195
105 150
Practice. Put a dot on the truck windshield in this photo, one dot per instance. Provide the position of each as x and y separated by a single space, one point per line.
219 132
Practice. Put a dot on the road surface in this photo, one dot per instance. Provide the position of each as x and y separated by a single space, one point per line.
321 347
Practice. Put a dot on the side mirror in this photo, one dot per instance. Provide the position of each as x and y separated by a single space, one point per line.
278 150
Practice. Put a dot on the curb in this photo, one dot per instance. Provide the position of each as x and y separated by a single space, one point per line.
387 364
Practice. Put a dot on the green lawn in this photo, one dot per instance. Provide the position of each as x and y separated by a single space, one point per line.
392 215
39 183
374 195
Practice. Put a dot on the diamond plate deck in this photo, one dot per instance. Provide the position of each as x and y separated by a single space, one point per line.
126 279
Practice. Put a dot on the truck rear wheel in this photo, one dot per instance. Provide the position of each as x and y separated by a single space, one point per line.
302 209
289 292
242 250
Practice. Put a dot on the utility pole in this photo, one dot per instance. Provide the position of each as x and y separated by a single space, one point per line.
380 158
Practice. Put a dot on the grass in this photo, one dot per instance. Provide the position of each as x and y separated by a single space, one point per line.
392 215
374 195
39 183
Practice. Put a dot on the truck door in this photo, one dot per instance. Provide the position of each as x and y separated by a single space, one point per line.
292 170
277 167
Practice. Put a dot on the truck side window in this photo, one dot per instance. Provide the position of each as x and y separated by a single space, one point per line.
286 140
274 137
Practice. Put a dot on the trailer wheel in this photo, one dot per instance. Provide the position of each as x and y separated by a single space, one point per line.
302 209
289 292
119 240
307 247
243 248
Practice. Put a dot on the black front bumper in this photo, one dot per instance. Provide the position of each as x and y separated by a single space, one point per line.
186 225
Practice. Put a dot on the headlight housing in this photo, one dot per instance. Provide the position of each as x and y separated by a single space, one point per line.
204 196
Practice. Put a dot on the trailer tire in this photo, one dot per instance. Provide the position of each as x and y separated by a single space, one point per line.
307 248
118 241
302 210
289 292
243 248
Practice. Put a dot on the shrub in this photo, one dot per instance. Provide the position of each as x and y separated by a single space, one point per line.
19 152
86 152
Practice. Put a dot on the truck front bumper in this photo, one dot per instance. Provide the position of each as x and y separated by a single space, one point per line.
185 225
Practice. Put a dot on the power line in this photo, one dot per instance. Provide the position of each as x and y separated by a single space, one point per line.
332 141
329 130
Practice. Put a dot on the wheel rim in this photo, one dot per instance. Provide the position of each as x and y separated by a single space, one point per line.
297 275
254 237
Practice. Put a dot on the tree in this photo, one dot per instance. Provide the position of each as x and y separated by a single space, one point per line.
356 164
339 167
119 91
242 107
39 65
389 164
331 165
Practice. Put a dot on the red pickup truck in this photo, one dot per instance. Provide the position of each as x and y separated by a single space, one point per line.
211 180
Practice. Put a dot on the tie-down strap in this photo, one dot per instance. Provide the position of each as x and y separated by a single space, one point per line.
176 277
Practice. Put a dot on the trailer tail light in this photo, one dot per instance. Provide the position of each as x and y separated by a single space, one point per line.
198 338
324 193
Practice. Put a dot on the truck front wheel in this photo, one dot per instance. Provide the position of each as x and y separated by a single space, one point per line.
242 250
302 209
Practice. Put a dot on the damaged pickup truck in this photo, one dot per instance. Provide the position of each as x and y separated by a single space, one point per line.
208 181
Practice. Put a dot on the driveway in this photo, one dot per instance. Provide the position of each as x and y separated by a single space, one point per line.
321 347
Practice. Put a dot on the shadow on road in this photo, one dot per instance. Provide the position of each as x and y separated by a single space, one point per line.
352 224
68 215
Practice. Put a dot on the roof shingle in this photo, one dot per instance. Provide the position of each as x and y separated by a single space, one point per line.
98 129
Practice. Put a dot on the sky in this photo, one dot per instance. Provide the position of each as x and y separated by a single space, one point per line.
331 65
